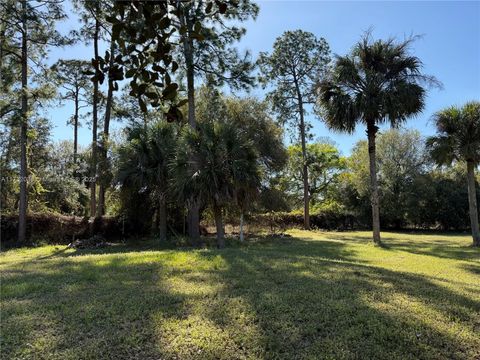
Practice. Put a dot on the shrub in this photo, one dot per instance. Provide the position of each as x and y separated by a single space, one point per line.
60 229
327 219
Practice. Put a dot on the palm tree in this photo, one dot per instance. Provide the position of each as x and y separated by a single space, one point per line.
144 163
224 158
378 82
458 139
246 178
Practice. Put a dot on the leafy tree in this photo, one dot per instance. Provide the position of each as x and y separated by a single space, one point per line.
400 161
63 193
7 169
52 186
324 165
71 76
206 37
252 116
378 82
295 67
126 109
458 139
28 34
143 163
439 199
37 153
142 32
94 9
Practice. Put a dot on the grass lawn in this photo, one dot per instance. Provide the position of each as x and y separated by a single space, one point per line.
314 295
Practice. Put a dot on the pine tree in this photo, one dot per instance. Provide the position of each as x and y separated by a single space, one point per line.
71 76
29 34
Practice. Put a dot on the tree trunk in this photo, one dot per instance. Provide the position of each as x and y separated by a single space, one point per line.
22 208
162 218
106 131
217 212
93 174
371 133
193 209
472 203
101 199
75 130
306 196
241 227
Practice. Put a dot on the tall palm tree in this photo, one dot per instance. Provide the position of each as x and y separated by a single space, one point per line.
378 82
144 163
458 139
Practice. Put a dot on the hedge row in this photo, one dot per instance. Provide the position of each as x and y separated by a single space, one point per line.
61 229
324 220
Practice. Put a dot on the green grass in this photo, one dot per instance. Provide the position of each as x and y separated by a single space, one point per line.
315 295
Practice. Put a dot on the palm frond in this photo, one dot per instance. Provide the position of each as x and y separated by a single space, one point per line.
379 81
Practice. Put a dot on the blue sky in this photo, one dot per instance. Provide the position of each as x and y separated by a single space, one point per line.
449 47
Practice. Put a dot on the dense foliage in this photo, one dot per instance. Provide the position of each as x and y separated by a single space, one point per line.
185 152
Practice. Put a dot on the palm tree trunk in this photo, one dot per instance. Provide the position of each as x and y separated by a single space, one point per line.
241 227
162 217
217 212
472 203
93 174
22 208
106 132
371 133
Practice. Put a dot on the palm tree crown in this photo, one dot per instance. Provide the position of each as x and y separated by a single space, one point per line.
144 160
377 82
458 136
224 157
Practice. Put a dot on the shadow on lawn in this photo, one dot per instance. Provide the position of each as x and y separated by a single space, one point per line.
437 248
474 269
333 308
284 299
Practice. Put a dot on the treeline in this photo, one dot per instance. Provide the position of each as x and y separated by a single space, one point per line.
187 153
264 184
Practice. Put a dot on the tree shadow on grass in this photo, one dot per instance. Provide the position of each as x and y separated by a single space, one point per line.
441 248
437 249
75 308
474 269
339 308
289 299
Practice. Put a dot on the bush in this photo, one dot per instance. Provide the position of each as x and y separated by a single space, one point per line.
326 219
60 229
